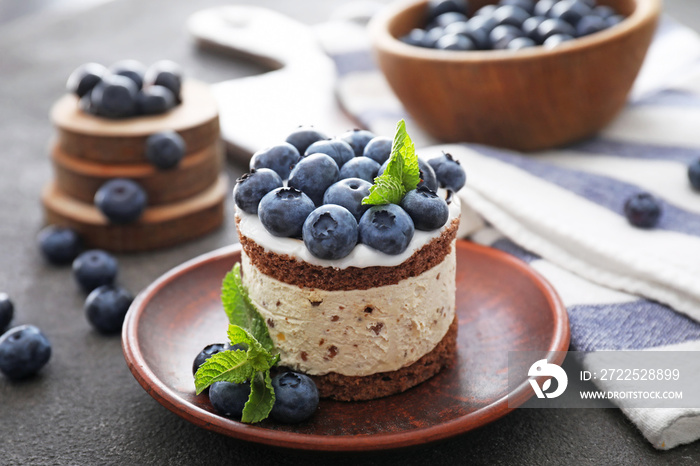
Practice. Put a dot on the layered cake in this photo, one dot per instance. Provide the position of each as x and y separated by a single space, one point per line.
365 317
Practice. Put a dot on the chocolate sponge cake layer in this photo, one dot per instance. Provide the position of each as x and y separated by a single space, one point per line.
351 388
289 270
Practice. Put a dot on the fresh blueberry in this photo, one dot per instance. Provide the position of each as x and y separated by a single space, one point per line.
510 14
455 42
205 354
59 245
484 23
284 210
360 167
106 306
486 10
281 158
550 27
448 18
694 174
604 11
427 210
164 150
349 193
121 201
479 37
427 175
542 7
94 268
85 78
501 35
330 232
570 11
520 43
155 100
386 228
296 397
251 187
590 24
614 20
527 5
229 398
358 139
23 351
165 73
313 175
378 149
531 28
642 210
448 171
556 39
416 37
115 97
7 311
439 7
339 150
432 35
132 69
303 137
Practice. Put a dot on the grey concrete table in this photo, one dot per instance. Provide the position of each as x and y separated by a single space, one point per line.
85 407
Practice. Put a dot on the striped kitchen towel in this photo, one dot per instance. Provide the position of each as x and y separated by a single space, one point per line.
562 210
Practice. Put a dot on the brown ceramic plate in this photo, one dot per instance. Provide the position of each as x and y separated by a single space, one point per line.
502 305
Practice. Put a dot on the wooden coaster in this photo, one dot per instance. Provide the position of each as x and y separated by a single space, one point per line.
115 141
80 178
159 226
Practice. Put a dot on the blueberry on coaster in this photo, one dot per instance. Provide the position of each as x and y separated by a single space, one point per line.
94 268
165 73
155 100
24 350
106 307
132 69
643 210
114 97
59 245
165 150
121 200
85 78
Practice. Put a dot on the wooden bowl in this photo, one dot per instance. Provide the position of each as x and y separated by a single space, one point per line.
527 99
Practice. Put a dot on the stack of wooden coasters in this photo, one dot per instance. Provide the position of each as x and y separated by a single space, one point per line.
184 202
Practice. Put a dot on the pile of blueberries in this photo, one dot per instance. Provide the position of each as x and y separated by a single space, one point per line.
510 24
127 88
326 180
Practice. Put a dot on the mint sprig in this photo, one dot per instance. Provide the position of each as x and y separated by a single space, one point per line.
253 364
402 173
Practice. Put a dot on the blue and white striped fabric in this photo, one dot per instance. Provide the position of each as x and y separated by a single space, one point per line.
562 210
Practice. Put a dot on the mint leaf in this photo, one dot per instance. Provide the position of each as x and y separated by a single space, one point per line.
261 400
402 173
228 366
240 309
258 357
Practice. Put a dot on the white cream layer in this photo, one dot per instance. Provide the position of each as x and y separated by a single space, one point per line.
361 256
319 331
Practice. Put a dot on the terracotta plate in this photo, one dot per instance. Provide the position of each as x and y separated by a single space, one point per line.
502 304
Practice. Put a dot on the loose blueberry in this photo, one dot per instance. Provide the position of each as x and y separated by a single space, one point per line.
386 228
432 35
168 74
24 350
590 24
448 171
417 37
284 210
484 23
643 210
155 100
360 167
542 7
503 34
531 28
455 42
59 245
94 268
358 139
427 210
330 232
251 187
313 175
439 7
349 193
115 97
604 11
554 41
694 174
527 5
303 137
281 158
378 149
551 27
205 354
486 10
479 37
106 306
229 398
448 18
339 150
520 43
614 20
132 69
510 14
85 78
7 311
570 11
121 201
296 397
164 150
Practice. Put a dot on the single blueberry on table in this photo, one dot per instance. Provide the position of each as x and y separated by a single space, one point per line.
228 398
349 193
85 78
165 149
694 174
303 137
439 7
132 69
114 97
330 232
455 42
360 167
642 210
24 350
296 397
94 268
207 352
427 210
165 73
339 150
251 187
281 158
358 139
448 171
121 201
155 100
59 245
313 175
106 307
284 210
7 311
378 149
386 228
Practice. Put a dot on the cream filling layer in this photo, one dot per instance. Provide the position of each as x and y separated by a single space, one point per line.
355 332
